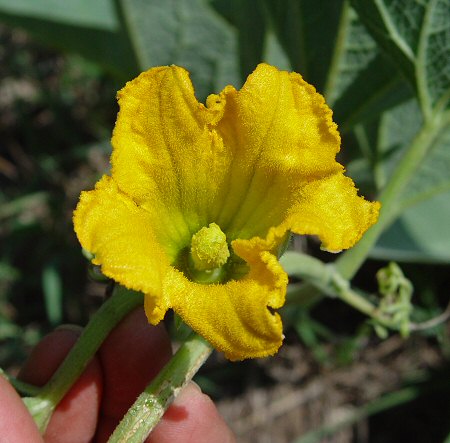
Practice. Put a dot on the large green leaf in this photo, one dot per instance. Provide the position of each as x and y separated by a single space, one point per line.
421 234
258 40
397 129
433 175
328 45
90 28
307 31
188 33
416 34
274 53
361 82
292 22
417 37
248 17
99 14
422 231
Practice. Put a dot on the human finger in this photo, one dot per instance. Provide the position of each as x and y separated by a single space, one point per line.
75 418
16 423
131 357
192 417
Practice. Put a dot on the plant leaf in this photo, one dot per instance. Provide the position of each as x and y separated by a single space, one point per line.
396 131
187 33
361 82
433 176
422 231
421 234
53 294
248 17
91 29
99 14
330 47
306 30
417 37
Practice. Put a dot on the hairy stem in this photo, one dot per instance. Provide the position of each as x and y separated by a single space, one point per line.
150 406
106 318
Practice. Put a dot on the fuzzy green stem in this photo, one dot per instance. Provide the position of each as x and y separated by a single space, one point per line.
106 318
150 406
357 301
327 280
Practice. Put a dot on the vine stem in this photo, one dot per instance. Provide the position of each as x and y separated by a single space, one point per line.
349 262
150 406
327 280
105 319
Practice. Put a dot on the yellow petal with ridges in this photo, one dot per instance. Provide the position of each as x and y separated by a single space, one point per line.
281 135
164 148
234 317
120 235
329 209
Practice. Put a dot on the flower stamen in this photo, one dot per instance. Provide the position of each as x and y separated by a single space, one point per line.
209 249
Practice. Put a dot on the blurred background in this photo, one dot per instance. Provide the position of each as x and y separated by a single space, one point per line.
61 64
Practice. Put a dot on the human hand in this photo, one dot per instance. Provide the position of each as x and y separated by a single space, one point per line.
129 358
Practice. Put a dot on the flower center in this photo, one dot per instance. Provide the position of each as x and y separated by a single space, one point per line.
209 249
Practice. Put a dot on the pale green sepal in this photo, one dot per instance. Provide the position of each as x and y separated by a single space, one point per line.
41 410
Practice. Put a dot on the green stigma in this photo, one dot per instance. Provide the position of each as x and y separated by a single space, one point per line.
209 249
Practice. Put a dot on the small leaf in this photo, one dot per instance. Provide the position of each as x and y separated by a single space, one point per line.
53 294
41 410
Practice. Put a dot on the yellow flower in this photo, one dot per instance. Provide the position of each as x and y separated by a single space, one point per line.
201 199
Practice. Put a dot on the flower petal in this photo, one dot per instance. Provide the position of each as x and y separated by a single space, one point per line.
331 209
165 148
119 234
328 208
281 134
234 317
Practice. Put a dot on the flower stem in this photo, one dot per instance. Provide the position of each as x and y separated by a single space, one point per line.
106 318
357 301
150 406
327 280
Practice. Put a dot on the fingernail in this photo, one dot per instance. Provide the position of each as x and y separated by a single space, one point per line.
190 389
71 328
195 386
